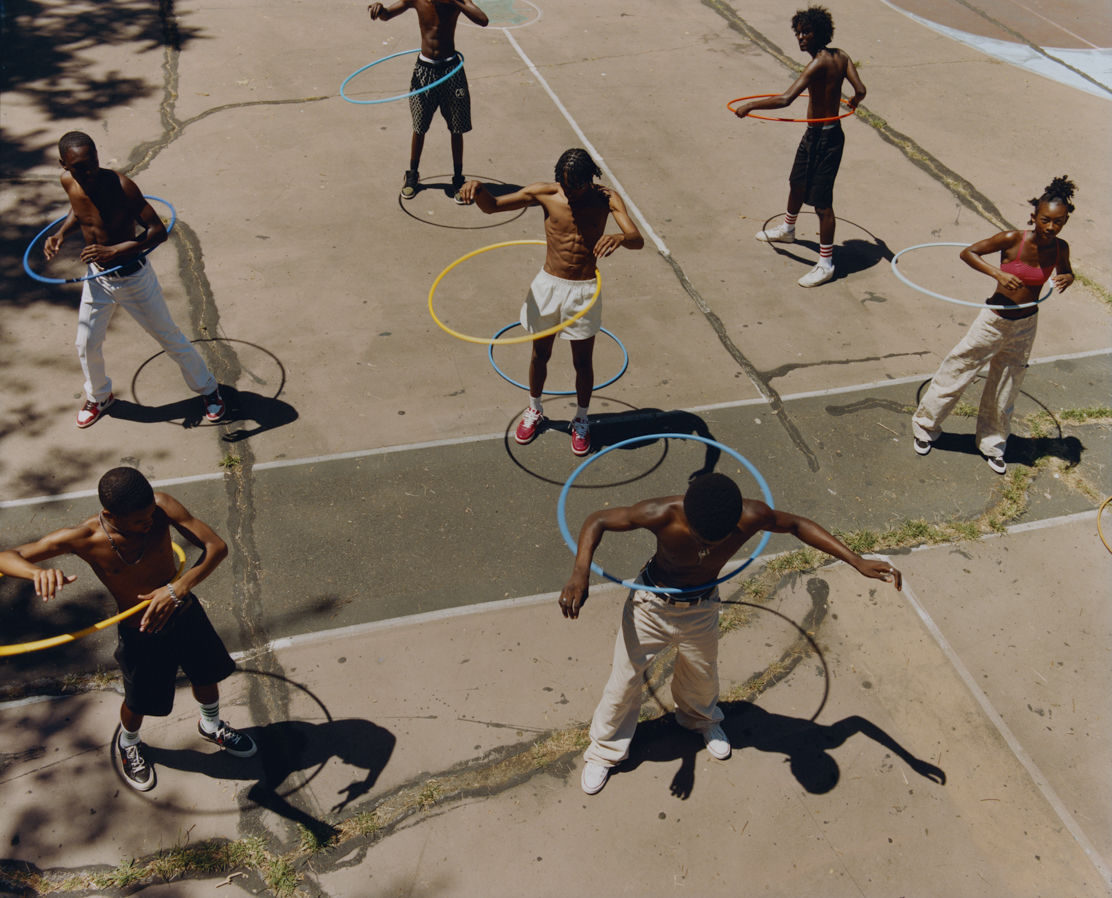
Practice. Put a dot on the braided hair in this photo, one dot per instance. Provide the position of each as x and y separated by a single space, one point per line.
575 169
1060 190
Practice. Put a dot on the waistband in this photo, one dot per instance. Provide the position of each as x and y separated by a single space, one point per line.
560 280
422 58
129 269
824 127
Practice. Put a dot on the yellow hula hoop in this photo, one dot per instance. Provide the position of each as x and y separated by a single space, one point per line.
25 647
502 341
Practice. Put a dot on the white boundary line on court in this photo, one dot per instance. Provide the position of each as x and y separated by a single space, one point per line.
487 437
1013 743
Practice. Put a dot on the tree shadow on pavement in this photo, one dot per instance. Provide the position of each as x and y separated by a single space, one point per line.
804 742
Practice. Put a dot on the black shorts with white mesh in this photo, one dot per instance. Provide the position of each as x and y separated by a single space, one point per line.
452 97
816 164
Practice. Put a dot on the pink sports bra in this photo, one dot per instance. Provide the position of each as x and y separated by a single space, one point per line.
1029 274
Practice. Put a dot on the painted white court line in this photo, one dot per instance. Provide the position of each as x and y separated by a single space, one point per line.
1013 743
486 437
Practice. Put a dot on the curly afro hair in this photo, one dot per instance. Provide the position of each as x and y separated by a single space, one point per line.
818 19
124 491
712 506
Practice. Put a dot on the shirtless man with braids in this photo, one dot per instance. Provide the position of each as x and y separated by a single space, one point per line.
576 210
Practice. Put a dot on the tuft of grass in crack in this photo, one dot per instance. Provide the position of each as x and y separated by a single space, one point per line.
859 541
965 409
230 462
316 839
429 795
1098 289
281 878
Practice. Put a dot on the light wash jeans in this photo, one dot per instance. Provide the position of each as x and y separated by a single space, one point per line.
650 625
141 295
1008 344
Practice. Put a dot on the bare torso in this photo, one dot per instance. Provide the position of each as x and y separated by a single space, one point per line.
103 212
677 560
1032 254
829 71
438 28
572 229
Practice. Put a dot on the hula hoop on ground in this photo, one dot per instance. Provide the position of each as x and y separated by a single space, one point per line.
561 515
1100 530
505 341
506 377
89 277
25 647
960 302
412 93
769 118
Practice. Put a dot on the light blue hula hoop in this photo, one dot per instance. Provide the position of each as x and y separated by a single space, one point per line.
506 377
561 516
99 274
960 302
412 93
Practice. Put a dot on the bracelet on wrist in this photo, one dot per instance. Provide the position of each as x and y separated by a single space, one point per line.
173 595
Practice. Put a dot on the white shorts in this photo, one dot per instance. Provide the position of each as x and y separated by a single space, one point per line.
553 300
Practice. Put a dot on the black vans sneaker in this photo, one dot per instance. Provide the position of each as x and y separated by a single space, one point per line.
409 185
138 773
230 739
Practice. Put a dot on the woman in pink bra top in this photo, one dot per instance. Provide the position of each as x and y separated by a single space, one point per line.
1002 333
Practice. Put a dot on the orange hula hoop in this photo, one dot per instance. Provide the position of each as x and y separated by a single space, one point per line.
808 121
23 648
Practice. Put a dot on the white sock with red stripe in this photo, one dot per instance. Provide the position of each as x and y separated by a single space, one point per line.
826 255
789 220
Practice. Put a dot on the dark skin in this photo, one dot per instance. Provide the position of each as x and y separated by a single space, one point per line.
118 224
1040 251
574 224
822 79
677 562
143 539
437 20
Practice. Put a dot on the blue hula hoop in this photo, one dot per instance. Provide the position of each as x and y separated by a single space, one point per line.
506 377
412 93
89 277
960 302
561 516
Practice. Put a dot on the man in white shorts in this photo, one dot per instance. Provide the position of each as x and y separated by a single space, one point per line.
576 210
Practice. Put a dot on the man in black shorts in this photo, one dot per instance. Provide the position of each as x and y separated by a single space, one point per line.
128 547
437 19
820 151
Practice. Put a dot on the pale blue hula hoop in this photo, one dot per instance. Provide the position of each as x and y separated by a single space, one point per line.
99 274
412 93
561 516
506 377
960 302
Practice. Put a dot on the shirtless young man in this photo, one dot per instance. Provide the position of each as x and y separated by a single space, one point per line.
820 151
107 205
696 534
437 20
128 547
575 213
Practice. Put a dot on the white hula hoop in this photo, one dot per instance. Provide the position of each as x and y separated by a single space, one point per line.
960 302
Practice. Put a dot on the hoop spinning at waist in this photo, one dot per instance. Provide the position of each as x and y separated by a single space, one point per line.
808 121
25 647
412 93
960 302
595 388
505 341
561 515
45 280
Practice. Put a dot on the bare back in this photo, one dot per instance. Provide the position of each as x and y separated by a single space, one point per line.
827 71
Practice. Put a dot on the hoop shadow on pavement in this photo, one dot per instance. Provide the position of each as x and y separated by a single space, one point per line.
805 743
433 184
267 413
850 256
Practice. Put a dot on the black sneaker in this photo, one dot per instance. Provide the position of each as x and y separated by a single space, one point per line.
409 185
230 739
457 184
138 773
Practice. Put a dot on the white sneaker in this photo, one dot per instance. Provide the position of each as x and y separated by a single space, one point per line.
820 274
718 743
779 234
923 447
997 464
594 777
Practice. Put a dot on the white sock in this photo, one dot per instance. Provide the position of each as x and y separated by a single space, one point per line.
128 739
581 411
535 404
789 220
210 717
826 255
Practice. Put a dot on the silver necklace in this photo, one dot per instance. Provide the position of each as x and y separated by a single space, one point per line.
703 553
104 527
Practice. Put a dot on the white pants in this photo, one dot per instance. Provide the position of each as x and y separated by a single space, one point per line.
141 295
1008 344
650 625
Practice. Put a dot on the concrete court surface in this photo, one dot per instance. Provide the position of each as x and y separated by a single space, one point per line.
293 250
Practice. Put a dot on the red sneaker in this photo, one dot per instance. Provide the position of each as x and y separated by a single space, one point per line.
527 429
214 406
91 411
580 436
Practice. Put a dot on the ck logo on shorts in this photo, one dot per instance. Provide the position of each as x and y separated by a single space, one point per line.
461 92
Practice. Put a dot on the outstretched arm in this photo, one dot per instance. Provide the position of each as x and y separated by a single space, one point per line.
630 237
648 515
470 10
213 551
784 99
807 531
475 192
384 13
21 562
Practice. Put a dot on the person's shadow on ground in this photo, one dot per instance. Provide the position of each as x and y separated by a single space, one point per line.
805 743
288 747
241 407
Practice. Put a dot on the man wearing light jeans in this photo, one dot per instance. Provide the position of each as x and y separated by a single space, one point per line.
696 534
107 206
